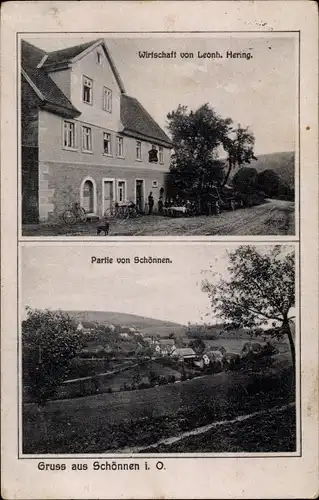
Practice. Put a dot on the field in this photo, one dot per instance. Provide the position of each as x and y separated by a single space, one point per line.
95 424
104 375
275 217
272 431
233 344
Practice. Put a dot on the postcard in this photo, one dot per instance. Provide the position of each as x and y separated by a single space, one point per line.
159 321
118 146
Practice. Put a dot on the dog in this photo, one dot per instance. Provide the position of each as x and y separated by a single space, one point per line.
103 227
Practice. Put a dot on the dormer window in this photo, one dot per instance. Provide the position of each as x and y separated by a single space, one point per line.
87 90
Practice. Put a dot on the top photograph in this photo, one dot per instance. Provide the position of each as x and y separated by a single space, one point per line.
158 134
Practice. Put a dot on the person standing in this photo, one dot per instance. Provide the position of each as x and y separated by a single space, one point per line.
150 203
160 205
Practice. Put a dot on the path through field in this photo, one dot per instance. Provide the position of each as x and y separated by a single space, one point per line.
143 417
202 430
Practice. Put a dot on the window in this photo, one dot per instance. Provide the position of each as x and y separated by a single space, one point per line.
107 100
138 150
120 191
99 57
154 184
160 155
86 138
69 134
107 144
119 146
152 154
87 90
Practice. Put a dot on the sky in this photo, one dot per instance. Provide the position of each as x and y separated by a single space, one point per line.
260 92
63 277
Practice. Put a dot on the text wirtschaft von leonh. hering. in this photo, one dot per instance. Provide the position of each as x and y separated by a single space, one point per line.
173 54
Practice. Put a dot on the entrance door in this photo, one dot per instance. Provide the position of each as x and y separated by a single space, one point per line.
108 194
139 195
88 197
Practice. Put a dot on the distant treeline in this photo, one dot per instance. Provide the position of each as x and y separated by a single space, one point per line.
213 332
248 181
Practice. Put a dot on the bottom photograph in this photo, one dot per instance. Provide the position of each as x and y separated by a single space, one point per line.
161 348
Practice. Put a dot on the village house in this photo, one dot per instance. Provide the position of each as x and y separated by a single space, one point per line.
166 346
127 329
87 327
124 335
138 334
111 327
184 354
148 340
83 138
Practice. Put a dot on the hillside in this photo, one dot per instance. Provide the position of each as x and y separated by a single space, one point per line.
217 330
147 325
282 163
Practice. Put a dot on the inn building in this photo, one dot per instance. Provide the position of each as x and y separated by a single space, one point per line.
83 138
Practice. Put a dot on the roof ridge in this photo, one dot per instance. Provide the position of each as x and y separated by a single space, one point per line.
74 46
33 46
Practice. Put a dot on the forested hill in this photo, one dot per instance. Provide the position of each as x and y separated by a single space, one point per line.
282 163
117 318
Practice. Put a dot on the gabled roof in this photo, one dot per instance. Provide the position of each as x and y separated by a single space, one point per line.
184 351
65 55
51 97
36 66
167 341
88 324
138 122
64 58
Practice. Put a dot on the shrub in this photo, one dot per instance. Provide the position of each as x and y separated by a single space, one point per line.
144 385
153 377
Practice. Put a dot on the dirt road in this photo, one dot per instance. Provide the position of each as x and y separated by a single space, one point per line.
275 217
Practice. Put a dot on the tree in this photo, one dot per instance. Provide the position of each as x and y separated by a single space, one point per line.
245 180
50 341
272 184
198 345
196 137
259 292
240 149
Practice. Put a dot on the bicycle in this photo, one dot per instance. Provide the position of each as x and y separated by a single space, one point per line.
123 211
74 213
